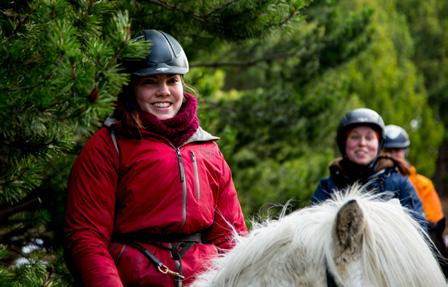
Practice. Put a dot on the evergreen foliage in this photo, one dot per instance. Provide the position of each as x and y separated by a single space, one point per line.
394 86
273 76
427 23
60 74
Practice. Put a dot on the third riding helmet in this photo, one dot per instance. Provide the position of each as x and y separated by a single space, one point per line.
166 55
359 117
396 137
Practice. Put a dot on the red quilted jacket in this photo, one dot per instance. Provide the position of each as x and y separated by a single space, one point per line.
151 187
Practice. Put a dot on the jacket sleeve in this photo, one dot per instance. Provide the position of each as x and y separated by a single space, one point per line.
322 192
430 199
229 218
409 199
90 209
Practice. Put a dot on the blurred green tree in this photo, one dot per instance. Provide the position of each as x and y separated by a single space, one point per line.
427 23
273 76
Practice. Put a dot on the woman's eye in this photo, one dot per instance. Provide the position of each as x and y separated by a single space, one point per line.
371 137
173 80
147 82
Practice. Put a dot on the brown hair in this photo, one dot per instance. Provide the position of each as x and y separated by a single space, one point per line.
385 160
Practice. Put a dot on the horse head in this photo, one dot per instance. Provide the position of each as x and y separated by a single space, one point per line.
354 239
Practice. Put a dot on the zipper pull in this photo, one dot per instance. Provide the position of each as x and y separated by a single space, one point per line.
181 166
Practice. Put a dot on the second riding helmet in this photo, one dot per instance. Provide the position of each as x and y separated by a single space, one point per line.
396 137
166 55
359 117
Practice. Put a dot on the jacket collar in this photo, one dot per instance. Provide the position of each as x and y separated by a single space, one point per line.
199 136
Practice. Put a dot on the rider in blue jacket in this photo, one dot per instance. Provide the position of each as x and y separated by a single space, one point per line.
360 135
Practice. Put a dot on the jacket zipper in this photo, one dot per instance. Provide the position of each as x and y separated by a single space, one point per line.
196 176
123 248
184 187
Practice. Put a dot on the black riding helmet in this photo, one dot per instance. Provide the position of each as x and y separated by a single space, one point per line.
166 56
359 117
396 137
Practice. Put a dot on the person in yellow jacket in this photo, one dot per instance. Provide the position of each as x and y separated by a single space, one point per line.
396 145
428 195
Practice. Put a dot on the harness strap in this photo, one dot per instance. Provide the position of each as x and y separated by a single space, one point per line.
157 263
154 238
178 246
185 248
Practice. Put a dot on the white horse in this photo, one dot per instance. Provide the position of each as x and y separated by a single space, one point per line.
352 240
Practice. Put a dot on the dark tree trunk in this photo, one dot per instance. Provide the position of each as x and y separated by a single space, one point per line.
441 174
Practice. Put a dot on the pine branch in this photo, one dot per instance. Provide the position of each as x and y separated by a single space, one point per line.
175 8
205 18
221 8
291 16
253 62
5 213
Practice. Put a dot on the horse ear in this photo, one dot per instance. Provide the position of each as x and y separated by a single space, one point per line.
348 230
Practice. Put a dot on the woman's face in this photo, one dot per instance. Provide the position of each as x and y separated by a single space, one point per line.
362 145
160 95
399 153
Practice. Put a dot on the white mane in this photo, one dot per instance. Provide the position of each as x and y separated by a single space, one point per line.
382 246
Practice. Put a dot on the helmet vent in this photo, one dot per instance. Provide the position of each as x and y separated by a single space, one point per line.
175 48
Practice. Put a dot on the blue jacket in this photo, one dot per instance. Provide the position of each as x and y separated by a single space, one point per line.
387 181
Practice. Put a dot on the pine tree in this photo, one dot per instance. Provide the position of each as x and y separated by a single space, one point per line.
60 73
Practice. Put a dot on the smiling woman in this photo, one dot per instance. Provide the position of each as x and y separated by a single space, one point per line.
160 95
360 136
362 145
150 197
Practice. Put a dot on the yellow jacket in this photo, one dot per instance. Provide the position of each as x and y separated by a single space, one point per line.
428 195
